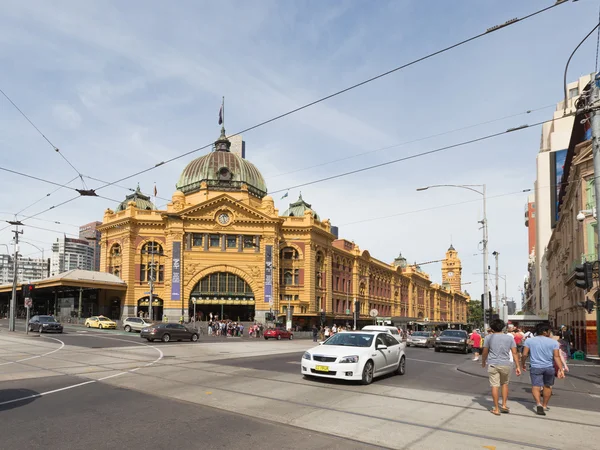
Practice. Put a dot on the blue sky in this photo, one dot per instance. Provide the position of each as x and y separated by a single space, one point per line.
120 86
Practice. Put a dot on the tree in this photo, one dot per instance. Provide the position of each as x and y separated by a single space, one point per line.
475 314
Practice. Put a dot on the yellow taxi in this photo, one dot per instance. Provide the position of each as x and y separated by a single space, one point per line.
100 322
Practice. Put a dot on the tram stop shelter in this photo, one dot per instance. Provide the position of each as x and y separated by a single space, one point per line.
70 295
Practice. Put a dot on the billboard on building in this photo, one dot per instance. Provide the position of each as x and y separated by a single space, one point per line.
557 167
176 272
268 273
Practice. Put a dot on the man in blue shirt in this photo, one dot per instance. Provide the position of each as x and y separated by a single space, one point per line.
543 354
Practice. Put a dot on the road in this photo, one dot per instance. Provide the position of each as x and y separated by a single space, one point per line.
101 389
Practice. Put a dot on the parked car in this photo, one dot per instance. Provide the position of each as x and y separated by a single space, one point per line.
386 329
168 332
355 355
100 322
278 333
45 324
421 339
453 340
135 324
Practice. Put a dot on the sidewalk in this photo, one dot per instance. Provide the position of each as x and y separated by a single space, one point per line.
583 377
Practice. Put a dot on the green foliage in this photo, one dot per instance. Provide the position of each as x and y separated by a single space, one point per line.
475 314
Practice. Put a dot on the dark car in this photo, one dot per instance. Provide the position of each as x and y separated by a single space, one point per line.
456 340
278 333
168 332
45 324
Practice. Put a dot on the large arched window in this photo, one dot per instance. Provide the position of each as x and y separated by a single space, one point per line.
289 253
152 266
114 260
222 284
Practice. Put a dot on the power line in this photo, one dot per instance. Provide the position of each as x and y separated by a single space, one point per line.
417 155
48 229
56 149
46 196
414 141
36 178
123 187
347 89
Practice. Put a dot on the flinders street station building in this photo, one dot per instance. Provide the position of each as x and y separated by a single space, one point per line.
221 247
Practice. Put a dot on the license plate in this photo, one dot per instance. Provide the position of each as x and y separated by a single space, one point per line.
322 368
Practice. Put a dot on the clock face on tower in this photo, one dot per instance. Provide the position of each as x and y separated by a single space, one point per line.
223 218
450 274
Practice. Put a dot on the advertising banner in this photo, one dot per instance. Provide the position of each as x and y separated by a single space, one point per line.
176 272
557 167
268 273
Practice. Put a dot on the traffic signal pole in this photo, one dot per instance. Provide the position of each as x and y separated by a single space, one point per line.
595 119
13 301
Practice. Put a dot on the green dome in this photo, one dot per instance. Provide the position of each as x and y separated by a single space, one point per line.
222 170
298 207
141 201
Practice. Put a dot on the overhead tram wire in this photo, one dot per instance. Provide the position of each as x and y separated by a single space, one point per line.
350 88
46 196
417 155
124 187
54 147
529 111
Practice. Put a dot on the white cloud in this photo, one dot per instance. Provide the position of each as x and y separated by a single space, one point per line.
66 117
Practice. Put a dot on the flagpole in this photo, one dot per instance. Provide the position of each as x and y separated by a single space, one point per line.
223 107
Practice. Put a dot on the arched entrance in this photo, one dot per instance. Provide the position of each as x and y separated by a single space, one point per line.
157 308
222 294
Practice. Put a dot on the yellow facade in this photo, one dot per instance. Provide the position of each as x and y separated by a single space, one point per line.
226 227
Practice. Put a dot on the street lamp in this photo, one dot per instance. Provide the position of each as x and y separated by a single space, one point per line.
485 233
41 250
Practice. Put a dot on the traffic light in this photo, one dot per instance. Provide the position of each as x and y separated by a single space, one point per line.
28 292
589 306
269 316
322 317
488 315
583 276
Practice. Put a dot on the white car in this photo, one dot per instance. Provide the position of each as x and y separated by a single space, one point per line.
135 324
386 329
355 355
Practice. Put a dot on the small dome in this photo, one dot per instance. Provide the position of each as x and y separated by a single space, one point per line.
299 208
451 249
222 170
140 200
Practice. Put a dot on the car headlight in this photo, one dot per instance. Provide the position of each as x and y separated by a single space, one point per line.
45 325
307 356
462 341
349 359
437 339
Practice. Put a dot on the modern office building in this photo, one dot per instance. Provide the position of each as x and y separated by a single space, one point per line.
69 254
28 269
92 235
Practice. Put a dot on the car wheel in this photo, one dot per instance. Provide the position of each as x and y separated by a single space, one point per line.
291 337
307 377
465 350
99 326
87 325
128 328
266 338
401 366
367 375
29 327
194 337
166 337
150 340
278 337
437 349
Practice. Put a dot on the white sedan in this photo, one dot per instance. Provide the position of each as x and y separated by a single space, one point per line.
355 355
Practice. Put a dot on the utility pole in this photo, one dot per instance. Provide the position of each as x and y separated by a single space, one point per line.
595 118
13 301
497 293
151 284
486 267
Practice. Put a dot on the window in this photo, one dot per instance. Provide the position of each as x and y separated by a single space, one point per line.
287 277
215 240
573 92
296 276
296 297
249 242
161 273
117 271
197 240
231 241
289 253
115 250
142 272
287 298
152 247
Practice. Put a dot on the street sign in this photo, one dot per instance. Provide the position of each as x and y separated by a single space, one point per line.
147 293
194 300
374 313
347 311
28 303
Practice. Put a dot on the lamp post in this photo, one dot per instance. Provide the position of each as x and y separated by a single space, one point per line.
485 233
40 249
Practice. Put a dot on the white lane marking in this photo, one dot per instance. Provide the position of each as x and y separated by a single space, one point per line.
431 362
160 356
62 344
46 393
294 362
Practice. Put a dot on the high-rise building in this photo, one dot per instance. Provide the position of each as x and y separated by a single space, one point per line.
556 135
28 269
89 232
511 306
68 254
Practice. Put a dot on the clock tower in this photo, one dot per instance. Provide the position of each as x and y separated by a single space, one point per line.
451 270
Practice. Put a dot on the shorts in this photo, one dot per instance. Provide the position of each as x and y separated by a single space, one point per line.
499 375
542 377
476 349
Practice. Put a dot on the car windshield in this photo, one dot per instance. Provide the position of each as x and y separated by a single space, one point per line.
420 333
104 319
451 333
350 340
47 319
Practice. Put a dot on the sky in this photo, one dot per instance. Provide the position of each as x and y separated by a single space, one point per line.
121 86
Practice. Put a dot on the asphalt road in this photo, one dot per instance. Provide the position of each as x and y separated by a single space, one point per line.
105 417
430 371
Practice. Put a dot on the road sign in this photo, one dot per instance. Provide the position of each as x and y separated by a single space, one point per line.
194 300
28 303
347 311
147 293
374 313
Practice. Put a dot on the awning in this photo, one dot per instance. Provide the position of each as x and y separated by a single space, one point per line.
146 302
221 301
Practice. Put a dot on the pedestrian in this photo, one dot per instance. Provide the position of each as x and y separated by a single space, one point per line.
544 355
315 332
497 351
567 336
476 338
519 339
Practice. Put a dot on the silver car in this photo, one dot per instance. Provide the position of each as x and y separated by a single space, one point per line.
135 324
421 339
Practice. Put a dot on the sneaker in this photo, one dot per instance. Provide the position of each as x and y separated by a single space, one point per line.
539 410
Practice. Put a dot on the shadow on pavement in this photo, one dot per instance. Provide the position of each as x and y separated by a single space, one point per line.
15 398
